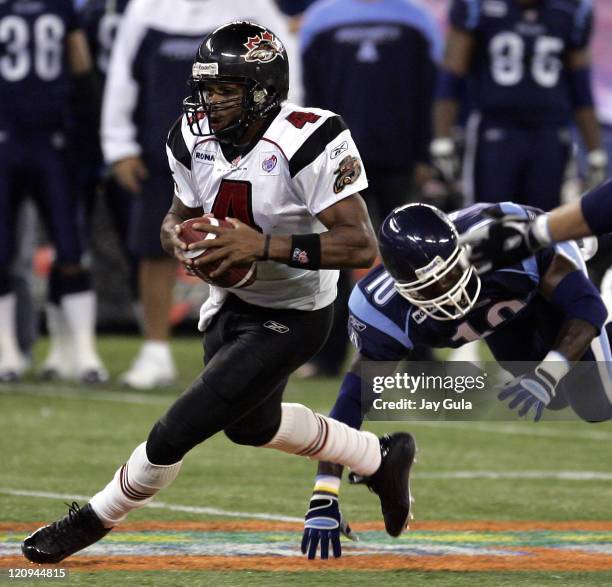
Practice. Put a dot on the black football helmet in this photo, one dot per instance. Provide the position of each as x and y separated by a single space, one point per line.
420 250
244 53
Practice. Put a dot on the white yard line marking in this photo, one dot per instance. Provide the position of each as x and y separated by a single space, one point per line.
127 396
123 396
160 505
560 475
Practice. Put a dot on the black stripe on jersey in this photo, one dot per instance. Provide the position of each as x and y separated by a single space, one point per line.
315 144
177 145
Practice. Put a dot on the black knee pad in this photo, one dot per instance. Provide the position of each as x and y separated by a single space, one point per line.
161 449
62 284
241 434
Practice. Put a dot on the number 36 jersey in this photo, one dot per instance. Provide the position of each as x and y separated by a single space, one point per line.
305 162
518 67
35 82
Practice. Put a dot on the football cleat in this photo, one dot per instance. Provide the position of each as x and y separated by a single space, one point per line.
93 375
391 482
149 371
77 530
12 370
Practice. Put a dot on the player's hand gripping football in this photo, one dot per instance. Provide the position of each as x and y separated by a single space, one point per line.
506 240
173 235
241 245
532 391
323 524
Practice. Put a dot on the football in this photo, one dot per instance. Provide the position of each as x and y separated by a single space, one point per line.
238 276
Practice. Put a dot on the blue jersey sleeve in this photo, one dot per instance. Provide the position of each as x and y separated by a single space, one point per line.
597 208
73 17
583 24
372 333
465 14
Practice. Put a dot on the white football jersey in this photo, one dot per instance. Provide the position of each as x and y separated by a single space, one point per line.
305 162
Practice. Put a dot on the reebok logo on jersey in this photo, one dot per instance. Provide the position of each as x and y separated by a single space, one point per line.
356 325
343 146
276 326
205 157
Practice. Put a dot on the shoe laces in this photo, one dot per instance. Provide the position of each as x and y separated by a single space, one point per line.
74 511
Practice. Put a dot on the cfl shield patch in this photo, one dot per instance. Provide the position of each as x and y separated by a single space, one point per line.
269 163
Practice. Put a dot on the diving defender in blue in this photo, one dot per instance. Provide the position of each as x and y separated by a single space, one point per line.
543 309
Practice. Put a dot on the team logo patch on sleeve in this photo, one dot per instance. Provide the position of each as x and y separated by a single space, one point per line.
263 48
348 171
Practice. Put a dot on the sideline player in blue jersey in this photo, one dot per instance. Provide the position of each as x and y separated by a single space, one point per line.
47 89
101 20
510 239
526 67
427 293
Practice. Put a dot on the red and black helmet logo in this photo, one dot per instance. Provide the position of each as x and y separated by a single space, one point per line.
263 48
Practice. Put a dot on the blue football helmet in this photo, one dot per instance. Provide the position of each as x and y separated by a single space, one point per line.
420 250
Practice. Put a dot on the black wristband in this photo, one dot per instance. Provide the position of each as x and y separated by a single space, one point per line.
305 251
266 251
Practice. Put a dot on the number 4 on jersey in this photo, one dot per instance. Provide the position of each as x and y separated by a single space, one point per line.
234 200
299 119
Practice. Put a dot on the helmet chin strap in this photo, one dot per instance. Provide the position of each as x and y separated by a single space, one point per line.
233 133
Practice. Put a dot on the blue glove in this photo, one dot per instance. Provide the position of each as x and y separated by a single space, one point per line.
324 524
536 389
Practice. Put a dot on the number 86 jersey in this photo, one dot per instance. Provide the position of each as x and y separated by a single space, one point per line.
518 67
305 162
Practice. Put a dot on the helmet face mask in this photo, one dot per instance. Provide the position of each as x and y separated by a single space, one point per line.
202 105
445 291
420 250
237 53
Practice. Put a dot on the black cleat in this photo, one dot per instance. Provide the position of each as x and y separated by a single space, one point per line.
391 482
75 531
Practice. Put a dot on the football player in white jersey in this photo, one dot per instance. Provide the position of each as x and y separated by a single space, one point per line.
290 180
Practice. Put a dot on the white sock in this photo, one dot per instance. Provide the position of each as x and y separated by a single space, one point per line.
80 312
9 346
60 342
159 349
133 486
302 432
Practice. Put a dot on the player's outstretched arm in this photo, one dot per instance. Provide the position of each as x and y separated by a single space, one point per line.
509 239
584 313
